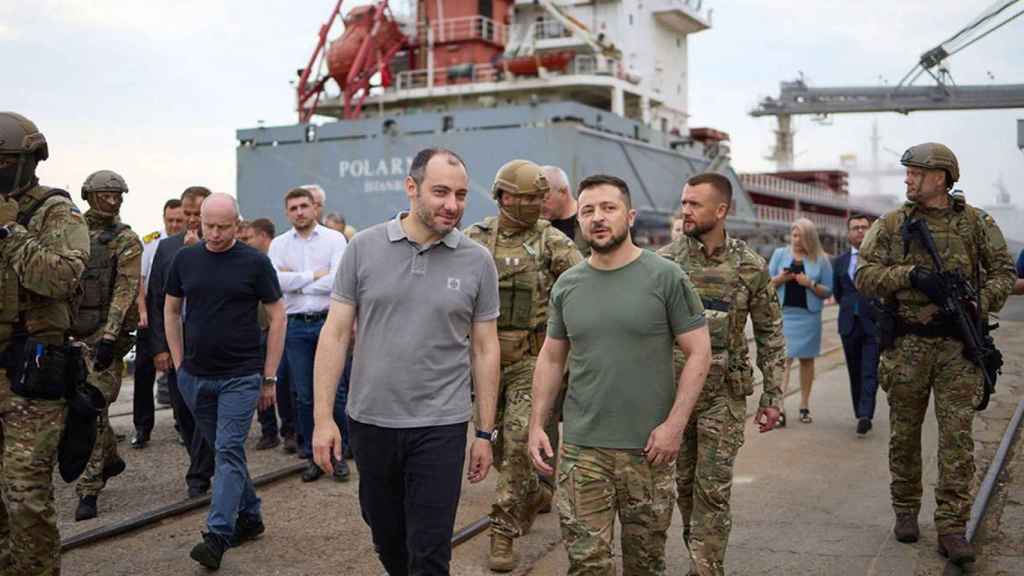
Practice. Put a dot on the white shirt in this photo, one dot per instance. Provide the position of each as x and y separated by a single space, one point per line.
301 257
149 243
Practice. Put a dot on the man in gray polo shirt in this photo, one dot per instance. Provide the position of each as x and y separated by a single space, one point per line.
426 301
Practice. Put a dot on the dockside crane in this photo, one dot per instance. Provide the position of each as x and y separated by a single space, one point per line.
797 98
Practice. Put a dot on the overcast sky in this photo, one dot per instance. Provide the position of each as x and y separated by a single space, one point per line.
156 89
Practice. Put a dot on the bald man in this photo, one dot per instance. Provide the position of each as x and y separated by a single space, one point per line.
559 207
222 371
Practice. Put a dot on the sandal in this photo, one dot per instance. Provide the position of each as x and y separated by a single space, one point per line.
805 416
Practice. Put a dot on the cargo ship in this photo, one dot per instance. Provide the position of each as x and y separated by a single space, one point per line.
591 86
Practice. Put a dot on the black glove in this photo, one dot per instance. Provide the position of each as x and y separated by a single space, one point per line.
104 355
930 283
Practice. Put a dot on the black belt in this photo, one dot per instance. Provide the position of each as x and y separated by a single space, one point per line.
309 317
715 304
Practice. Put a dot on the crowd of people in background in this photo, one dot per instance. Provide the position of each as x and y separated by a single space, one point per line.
365 347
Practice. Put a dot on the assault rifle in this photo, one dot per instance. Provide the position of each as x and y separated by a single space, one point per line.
961 303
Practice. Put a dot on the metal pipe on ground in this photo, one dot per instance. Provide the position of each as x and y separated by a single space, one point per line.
169 511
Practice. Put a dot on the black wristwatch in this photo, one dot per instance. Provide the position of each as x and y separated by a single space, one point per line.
491 436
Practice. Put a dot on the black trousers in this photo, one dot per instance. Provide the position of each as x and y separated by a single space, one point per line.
143 409
861 352
410 480
200 454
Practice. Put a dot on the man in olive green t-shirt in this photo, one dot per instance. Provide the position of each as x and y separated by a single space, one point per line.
615 318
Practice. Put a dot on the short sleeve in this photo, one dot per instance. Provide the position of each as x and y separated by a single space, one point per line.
487 305
685 310
268 289
173 284
346 279
556 325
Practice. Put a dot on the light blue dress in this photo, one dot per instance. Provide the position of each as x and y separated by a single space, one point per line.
802 327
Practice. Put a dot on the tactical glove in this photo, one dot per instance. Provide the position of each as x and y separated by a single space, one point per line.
8 211
104 355
930 283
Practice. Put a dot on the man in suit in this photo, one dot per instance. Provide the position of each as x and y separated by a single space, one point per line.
200 469
856 327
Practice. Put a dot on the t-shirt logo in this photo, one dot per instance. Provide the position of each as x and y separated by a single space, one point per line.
453 284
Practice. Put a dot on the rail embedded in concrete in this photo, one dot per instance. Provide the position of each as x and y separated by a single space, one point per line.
169 511
994 469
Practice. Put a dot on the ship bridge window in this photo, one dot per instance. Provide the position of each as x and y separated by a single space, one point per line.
447 123
310 133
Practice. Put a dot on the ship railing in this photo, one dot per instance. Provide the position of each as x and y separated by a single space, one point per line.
547 29
782 187
789 215
461 74
464 28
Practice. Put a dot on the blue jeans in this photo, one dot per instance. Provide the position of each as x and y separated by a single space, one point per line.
223 409
300 347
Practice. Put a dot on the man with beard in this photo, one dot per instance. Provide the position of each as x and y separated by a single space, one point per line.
143 409
733 285
530 255
107 316
200 468
426 301
306 259
617 319
559 207
44 245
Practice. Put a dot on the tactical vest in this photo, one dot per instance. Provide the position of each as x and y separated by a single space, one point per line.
22 310
524 284
721 289
958 239
97 282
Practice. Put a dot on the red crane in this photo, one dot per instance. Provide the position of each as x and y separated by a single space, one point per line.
371 38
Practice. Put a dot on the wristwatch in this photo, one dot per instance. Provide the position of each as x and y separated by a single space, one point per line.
268 380
491 436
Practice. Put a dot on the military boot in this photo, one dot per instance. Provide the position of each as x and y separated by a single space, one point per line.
503 553
956 548
86 508
906 529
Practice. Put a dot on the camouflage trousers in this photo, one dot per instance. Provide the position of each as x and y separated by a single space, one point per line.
704 476
908 373
518 480
29 435
105 451
597 484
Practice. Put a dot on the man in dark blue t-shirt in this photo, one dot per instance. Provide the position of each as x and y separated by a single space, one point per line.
221 367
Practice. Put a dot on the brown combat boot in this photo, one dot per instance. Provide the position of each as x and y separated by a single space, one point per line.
503 554
549 495
533 507
906 529
956 548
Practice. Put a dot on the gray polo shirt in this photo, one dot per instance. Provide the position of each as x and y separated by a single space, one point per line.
415 306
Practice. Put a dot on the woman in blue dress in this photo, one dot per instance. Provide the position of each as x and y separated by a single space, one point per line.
802 275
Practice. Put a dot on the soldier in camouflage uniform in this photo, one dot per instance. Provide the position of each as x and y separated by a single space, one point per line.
106 319
927 352
530 255
733 284
44 245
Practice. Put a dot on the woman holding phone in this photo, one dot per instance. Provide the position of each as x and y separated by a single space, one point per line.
802 275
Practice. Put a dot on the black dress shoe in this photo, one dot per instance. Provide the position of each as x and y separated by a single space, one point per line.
197 491
312 472
341 472
863 426
140 440
268 442
290 445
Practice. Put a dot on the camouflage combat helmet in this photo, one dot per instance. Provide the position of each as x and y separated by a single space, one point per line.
103 181
520 177
933 156
20 136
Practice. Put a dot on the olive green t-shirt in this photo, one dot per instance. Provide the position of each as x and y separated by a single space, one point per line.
621 325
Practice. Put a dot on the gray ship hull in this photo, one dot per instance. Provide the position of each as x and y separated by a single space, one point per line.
362 164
